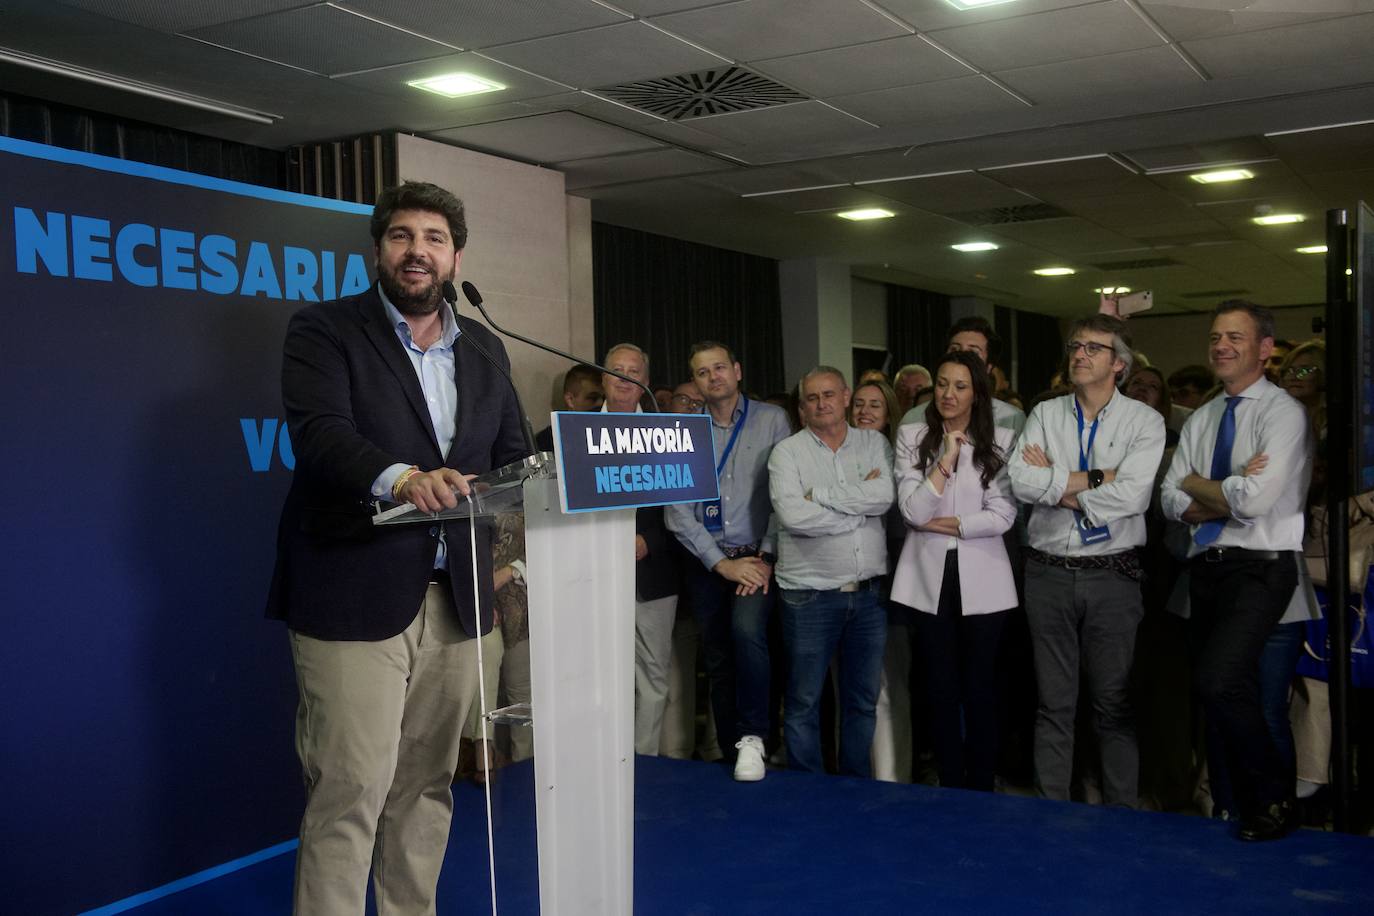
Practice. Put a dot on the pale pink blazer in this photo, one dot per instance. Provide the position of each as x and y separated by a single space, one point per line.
985 580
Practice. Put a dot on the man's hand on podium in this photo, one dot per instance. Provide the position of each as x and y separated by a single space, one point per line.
433 491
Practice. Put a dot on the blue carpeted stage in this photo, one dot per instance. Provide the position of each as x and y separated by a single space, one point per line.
795 843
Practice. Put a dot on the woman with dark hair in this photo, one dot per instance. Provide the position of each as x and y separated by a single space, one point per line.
955 495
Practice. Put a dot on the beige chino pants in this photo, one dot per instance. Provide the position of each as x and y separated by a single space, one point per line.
377 731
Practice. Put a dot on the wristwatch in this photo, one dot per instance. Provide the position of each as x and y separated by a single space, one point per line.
1096 477
769 558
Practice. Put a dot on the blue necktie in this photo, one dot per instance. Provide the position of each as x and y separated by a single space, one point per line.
1210 530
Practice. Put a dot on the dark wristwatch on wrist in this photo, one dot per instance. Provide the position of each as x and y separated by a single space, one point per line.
769 558
1096 477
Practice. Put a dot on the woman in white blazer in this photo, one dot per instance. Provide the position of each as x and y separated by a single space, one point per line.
955 496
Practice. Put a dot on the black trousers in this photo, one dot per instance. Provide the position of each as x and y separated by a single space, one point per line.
1235 605
959 654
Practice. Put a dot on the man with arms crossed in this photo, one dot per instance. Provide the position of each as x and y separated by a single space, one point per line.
728 588
1086 462
387 397
831 486
1239 477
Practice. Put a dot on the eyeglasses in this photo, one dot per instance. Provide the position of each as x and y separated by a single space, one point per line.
1301 372
690 402
1091 347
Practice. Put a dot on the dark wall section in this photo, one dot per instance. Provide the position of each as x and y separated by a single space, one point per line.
665 294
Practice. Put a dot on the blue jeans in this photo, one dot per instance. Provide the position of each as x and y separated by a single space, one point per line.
814 625
734 646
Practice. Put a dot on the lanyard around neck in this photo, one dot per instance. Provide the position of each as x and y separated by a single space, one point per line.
1092 435
729 446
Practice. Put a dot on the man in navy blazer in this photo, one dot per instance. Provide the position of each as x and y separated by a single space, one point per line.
387 396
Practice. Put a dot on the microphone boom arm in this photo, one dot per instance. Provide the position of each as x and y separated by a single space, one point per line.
475 298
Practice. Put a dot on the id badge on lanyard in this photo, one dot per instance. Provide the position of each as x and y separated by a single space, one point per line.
1086 532
712 513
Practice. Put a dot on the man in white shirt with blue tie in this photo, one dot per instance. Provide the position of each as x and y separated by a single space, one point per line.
1239 477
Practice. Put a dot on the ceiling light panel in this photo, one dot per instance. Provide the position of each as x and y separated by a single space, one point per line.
1279 219
975 246
866 213
1222 176
456 85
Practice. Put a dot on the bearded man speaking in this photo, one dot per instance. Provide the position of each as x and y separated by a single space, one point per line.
386 396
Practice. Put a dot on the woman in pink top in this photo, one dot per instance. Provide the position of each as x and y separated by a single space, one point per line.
955 496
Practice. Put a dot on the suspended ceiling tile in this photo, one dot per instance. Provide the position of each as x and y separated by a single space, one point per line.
628 167
952 193
605 56
904 61
1336 149
827 199
763 179
178 17
545 138
948 99
801 120
1066 177
1185 21
321 39
1152 70
483 24
929 15
392 81
1202 155
1308 45
1044 38
757 29
1069 236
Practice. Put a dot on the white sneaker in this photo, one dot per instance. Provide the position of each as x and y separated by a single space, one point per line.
749 763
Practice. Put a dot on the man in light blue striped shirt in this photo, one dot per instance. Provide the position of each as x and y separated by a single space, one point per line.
831 486
728 589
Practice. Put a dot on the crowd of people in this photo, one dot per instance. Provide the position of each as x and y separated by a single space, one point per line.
892 569
907 581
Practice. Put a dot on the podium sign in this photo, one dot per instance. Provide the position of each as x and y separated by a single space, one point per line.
629 460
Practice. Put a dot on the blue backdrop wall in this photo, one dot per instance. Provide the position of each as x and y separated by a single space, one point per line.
147 708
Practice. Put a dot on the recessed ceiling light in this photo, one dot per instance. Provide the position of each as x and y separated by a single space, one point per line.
974 246
975 4
1113 290
1312 249
1222 175
454 85
1054 271
866 213
1279 219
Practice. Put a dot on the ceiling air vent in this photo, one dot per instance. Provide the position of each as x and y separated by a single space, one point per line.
1002 216
706 92
1215 294
1138 264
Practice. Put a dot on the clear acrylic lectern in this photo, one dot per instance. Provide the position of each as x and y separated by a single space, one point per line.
580 580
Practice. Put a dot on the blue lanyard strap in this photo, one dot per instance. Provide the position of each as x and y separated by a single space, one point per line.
744 415
1092 435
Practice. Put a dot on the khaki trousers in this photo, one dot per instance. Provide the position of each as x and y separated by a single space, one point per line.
377 731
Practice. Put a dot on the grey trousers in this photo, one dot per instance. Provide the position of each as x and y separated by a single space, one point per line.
1086 620
377 731
653 662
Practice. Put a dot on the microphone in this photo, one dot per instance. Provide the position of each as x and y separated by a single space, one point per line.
451 297
475 298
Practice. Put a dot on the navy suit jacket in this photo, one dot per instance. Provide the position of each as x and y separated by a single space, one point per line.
354 407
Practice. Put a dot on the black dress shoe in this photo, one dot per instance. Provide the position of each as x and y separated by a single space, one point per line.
1274 822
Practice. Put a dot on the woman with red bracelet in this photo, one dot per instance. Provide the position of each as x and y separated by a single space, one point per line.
955 496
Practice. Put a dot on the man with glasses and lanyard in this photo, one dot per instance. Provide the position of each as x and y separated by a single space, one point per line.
729 589
1086 463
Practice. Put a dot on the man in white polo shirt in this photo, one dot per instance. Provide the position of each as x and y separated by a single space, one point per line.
1239 477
